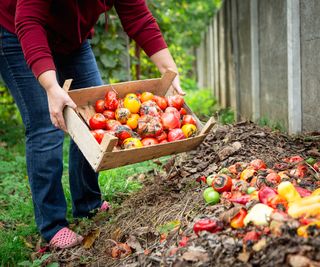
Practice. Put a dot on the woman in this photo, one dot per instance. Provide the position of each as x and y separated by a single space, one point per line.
42 43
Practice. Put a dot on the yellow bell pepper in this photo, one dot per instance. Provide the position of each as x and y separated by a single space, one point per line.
287 191
307 206
303 230
316 192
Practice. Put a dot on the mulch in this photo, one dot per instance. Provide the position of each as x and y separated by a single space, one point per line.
174 196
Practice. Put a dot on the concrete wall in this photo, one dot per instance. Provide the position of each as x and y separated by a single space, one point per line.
272 26
310 63
261 57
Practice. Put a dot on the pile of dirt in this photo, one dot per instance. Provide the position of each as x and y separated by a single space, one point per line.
154 220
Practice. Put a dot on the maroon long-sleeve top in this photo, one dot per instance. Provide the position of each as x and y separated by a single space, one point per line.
60 26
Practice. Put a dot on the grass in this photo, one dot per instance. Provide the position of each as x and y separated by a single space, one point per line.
18 232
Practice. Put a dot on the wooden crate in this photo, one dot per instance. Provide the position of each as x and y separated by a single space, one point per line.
104 156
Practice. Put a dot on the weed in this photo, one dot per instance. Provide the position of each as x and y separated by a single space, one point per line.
274 125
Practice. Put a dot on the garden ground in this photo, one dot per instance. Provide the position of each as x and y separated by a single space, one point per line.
156 220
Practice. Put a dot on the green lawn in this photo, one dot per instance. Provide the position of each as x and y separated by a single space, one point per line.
18 233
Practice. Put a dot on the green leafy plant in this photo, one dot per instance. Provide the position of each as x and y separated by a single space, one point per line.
274 125
39 262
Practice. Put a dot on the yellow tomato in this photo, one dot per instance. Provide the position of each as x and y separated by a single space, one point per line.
132 103
132 122
131 142
247 174
189 130
131 95
145 96
122 114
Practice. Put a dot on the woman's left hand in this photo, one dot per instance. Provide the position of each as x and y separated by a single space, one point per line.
176 85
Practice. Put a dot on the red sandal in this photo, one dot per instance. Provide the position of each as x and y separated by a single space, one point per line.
65 238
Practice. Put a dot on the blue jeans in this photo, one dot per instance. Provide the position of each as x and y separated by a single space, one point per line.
44 142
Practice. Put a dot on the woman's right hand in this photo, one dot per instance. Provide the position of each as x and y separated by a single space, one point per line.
57 100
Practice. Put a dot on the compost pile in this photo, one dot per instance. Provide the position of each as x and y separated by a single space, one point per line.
171 223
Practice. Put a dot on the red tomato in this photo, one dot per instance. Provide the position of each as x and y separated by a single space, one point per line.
109 114
188 119
162 136
183 112
112 124
300 171
123 132
150 108
99 106
294 159
149 126
163 141
258 164
149 141
175 134
111 101
97 121
98 135
161 102
170 121
222 183
175 101
273 178
174 111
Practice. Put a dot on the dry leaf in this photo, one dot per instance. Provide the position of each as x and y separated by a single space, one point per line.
244 257
229 214
134 243
301 261
117 234
90 238
260 245
27 243
196 254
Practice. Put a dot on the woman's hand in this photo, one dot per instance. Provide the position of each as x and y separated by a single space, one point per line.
163 60
57 98
176 85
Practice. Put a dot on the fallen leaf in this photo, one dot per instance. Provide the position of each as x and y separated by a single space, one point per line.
196 254
301 261
168 227
229 214
229 150
244 257
3 144
116 235
90 238
260 245
27 243
134 243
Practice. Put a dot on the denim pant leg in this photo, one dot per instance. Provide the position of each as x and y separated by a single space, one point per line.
81 66
43 140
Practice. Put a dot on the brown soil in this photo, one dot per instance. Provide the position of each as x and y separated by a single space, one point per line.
174 195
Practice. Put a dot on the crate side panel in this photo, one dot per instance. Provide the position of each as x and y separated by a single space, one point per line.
130 156
80 133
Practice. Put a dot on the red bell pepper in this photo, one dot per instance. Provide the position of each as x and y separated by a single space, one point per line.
266 193
241 200
277 202
201 179
237 221
252 236
207 225
302 191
